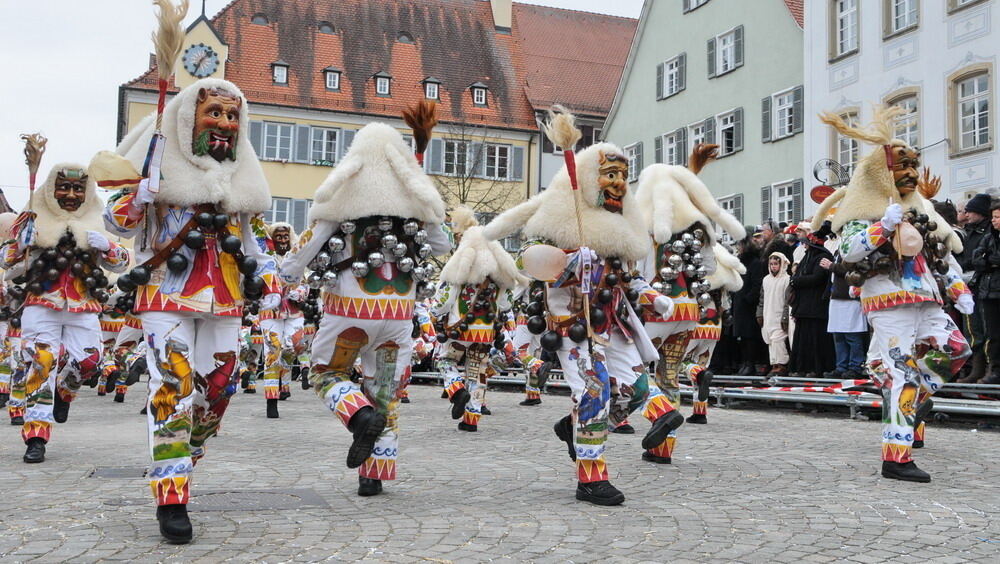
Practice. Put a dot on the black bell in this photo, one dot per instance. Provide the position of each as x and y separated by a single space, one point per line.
551 341
51 274
125 283
632 295
463 327
615 263
35 288
612 280
177 262
597 317
39 264
220 221
578 333
100 295
454 334
534 308
61 263
67 239
626 277
247 265
90 282
604 296
17 292
536 325
49 255
204 219
231 244
15 323
194 239
140 275
442 338
69 253
254 284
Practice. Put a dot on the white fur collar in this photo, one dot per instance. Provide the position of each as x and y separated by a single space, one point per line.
51 221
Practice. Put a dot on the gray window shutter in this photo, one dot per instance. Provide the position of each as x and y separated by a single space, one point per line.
257 137
738 131
659 81
639 157
738 208
299 214
738 46
303 144
710 130
682 71
687 5
765 119
476 160
435 161
797 201
346 138
797 110
658 149
681 146
517 166
711 57
765 204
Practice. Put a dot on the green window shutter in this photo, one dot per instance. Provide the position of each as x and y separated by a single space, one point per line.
257 137
517 163
738 131
659 81
765 204
303 144
738 47
797 201
797 110
658 149
681 72
711 58
765 119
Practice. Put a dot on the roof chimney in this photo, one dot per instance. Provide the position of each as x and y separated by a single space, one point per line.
501 15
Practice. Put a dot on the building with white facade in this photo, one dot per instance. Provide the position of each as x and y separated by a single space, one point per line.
937 58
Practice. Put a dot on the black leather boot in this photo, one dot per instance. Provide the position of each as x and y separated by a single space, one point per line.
661 428
144 410
272 409
564 430
17 421
175 525
532 401
60 408
906 471
119 397
366 425
624 429
458 403
305 381
599 493
650 457
36 450
369 486
463 426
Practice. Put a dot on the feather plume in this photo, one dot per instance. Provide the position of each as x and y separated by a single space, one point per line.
34 147
421 118
878 132
561 128
169 35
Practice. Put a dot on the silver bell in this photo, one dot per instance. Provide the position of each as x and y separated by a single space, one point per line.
405 264
315 280
336 244
658 286
669 273
687 238
701 272
704 299
675 261
389 241
322 260
420 237
697 245
376 260
697 259
399 250
665 272
678 246
359 269
689 271
385 224
347 227
411 227
419 273
424 251
330 278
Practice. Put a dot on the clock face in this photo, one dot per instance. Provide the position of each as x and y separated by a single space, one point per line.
200 60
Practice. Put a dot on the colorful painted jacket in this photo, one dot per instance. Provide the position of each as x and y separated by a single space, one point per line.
454 302
67 292
211 283
384 293
290 295
910 281
685 305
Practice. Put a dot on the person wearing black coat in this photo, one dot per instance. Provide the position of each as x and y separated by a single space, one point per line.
977 227
986 262
753 351
812 346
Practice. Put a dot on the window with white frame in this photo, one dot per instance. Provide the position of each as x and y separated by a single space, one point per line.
632 153
431 91
280 74
954 5
728 141
692 4
289 210
908 125
456 155
672 148
277 141
382 85
734 206
847 147
784 202
845 27
725 52
497 161
903 14
280 210
784 114
324 145
672 76
332 80
479 96
696 133
973 107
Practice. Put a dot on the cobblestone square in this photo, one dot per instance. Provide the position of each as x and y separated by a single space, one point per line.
751 486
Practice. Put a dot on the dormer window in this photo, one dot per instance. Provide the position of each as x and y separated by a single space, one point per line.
279 72
259 19
432 88
331 76
383 84
326 28
479 96
404 37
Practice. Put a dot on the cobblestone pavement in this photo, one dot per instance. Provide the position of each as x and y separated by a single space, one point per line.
751 486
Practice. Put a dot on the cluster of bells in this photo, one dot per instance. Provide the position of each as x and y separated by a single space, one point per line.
883 262
51 263
682 256
481 308
196 239
615 278
404 240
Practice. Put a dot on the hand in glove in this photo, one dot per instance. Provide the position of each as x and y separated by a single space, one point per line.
270 301
965 304
143 195
98 241
893 217
664 306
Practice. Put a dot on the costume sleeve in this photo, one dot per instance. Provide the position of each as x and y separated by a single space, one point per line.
861 238
13 254
505 301
267 267
956 285
439 240
310 243
116 258
23 230
122 216
444 300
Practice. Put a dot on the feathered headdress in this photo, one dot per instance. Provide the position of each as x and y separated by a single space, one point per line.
421 118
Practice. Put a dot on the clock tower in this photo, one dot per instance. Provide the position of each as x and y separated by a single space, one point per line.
204 54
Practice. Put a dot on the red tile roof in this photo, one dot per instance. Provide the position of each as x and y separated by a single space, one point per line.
551 55
796 8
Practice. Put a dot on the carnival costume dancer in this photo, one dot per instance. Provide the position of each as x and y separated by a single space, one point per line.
584 234
111 325
373 219
60 243
282 327
7 308
880 218
679 212
199 263
477 285
527 348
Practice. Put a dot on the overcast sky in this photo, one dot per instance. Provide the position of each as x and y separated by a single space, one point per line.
63 60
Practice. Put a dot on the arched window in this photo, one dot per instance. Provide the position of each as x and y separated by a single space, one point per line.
259 19
326 28
404 37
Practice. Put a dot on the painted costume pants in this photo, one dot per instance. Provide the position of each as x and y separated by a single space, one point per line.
477 372
251 354
6 367
60 350
384 348
525 346
671 340
906 373
17 368
606 387
283 340
192 374
696 361
126 349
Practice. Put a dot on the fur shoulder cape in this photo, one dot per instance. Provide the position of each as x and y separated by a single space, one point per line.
729 270
478 258
672 198
51 221
234 185
378 176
